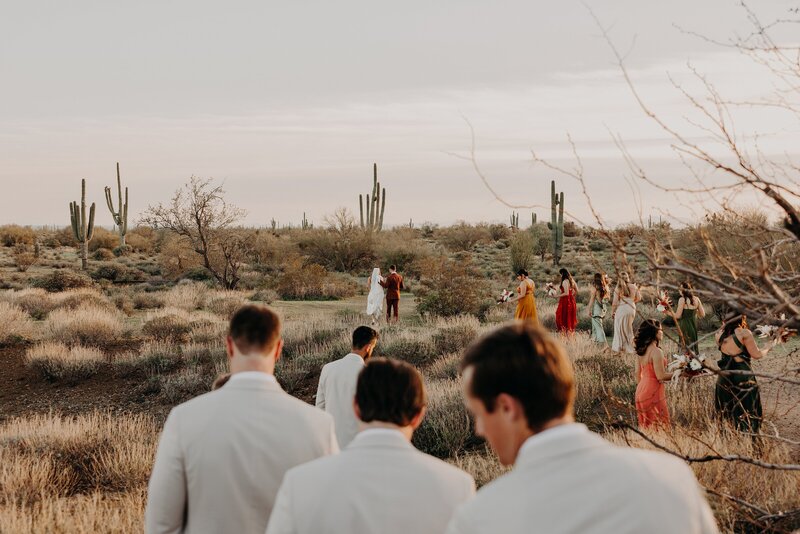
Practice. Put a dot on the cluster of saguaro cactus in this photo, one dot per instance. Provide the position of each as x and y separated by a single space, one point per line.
556 223
120 216
304 224
82 227
514 220
375 204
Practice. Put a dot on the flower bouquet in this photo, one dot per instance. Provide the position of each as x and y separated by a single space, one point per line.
689 365
664 302
504 296
551 290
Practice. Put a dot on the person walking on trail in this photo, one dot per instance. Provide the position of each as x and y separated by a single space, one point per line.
393 284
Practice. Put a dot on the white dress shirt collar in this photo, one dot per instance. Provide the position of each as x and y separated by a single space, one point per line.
260 376
379 432
565 431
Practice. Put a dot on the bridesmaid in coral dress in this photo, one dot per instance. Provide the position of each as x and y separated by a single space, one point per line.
526 302
567 311
651 398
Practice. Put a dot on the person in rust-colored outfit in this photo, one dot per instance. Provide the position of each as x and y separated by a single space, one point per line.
393 284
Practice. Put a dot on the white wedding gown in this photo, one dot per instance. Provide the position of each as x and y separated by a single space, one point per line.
376 296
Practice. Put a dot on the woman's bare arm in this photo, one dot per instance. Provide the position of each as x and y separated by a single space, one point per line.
679 312
701 311
591 300
658 364
749 342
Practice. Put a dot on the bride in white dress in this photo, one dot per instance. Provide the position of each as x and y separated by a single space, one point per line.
375 297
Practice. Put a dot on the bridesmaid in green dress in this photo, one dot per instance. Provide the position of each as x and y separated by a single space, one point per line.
689 310
598 304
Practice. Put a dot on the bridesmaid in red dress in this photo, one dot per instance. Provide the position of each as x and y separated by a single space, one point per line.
567 311
651 397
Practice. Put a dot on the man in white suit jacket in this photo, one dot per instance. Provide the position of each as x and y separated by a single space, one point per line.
222 456
519 386
379 484
337 384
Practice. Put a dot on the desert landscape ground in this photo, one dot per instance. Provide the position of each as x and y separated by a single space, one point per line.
92 361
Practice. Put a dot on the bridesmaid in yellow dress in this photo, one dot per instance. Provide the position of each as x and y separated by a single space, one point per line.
526 302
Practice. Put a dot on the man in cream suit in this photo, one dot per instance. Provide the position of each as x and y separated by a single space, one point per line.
222 455
337 384
380 483
518 384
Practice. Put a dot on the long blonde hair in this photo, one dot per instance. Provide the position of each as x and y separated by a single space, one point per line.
624 286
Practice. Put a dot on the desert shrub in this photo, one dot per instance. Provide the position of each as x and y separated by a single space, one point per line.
463 236
406 253
169 324
449 288
198 274
181 386
62 280
482 465
348 250
48 456
453 335
103 254
597 245
152 358
141 239
205 353
408 346
444 367
265 296
17 325
186 296
103 239
124 303
147 301
207 328
521 249
446 427
301 281
24 257
12 235
87 325
34 301
176 256
498 232
571 229
225 303
80 298
117 272
56 361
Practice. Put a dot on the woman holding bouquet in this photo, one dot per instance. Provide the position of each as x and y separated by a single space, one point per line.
623 310
526 302
689 310
737 396
567 311
651 371
597 306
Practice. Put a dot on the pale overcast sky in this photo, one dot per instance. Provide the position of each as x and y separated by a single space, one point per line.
290 102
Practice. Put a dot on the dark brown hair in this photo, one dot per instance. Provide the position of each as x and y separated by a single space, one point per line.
645 335
687 292
363 336
254 328
601 286
390 391
525 362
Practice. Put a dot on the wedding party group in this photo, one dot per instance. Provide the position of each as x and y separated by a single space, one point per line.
249 458
736 395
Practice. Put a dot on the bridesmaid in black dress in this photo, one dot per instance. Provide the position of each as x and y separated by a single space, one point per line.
736 396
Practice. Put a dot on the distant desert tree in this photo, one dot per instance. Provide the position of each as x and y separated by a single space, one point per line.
199 213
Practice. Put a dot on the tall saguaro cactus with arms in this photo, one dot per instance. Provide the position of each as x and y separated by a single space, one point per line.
82 228
375 204
121 215
556 223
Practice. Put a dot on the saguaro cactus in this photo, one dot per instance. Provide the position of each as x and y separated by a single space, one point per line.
82 228
514 220
121 215
533 219
556 223
375 204
304 224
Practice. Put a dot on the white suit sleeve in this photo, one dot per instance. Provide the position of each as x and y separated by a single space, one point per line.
281 520
166 495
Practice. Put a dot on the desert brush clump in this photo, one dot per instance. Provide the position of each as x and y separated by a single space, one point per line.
57 361
85 325
17 325
447 427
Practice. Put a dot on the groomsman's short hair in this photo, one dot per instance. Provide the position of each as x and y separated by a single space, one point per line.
390 391
255 328
527 363
363 336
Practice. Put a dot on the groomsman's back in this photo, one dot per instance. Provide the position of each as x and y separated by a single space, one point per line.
380 483
222 456
519 386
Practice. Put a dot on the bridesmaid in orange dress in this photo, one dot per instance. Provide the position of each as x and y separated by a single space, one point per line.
526 301
651 398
